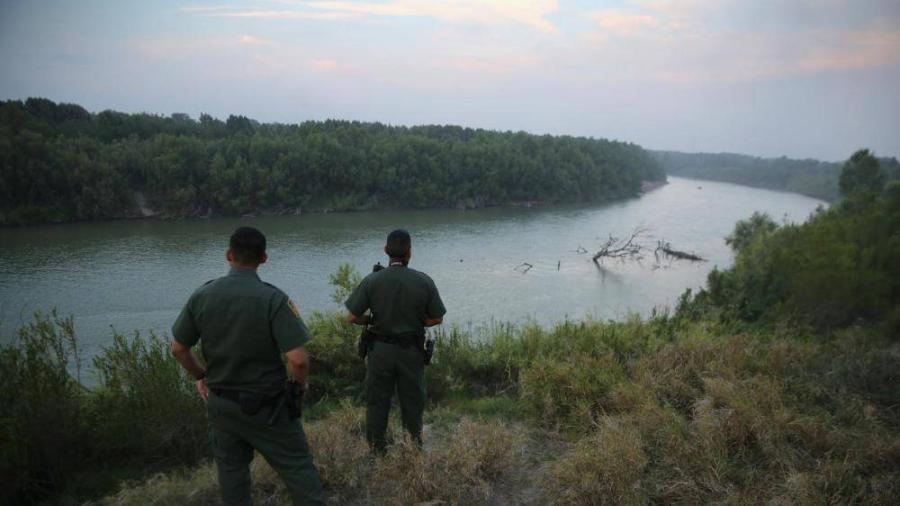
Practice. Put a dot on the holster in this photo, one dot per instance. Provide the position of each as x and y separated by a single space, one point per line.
293 399
364 343
429 351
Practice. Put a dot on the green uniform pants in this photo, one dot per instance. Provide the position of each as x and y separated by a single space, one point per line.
390 367
233 437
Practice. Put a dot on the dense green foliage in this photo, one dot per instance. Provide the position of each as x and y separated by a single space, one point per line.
57 436
808 177
841 265
59 162
862 174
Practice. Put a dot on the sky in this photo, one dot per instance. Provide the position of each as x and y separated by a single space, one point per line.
797 78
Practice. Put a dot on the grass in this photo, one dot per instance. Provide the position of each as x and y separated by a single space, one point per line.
621 413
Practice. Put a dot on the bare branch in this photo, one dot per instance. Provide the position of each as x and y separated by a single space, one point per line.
620 248
525 266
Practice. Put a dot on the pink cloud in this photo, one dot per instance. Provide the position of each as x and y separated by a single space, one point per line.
323 65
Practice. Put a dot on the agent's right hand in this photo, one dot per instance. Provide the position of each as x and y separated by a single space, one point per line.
202 389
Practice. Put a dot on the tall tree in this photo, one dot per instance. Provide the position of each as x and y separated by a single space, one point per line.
861 174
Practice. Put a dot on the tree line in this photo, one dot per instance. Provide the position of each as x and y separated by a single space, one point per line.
59 162
809 177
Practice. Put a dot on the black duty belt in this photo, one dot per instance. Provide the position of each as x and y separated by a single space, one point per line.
235 396
401 340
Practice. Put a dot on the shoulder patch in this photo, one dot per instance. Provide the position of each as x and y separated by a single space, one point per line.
293 307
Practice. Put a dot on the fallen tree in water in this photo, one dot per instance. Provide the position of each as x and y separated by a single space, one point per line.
620 248
631 248
666 249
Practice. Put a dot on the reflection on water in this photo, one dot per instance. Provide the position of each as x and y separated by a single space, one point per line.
136 274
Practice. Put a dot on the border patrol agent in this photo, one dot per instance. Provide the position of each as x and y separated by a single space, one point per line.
244 325
402 302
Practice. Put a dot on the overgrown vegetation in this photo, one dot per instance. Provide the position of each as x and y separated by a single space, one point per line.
659 410
60 439
59 162
842 265
693 413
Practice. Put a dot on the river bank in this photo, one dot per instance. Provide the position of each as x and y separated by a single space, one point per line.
665 410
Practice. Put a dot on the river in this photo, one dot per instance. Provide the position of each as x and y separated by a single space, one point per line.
135 275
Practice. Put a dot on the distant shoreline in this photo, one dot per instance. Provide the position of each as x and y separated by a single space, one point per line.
146 213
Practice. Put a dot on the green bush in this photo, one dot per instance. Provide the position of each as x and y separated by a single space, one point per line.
840 267
45 434
61 439
573 392
145 406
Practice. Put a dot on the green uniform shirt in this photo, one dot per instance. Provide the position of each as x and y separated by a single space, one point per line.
400 299
243 326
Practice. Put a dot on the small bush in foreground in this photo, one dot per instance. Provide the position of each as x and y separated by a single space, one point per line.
603 468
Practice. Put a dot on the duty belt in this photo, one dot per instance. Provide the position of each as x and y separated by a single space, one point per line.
235 396
401 340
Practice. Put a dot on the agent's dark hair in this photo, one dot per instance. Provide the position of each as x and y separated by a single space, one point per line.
398 243
247 245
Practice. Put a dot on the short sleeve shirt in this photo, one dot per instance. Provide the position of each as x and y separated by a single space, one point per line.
399 298
243 326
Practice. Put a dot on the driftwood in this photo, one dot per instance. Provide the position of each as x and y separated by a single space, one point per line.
630 248
666 249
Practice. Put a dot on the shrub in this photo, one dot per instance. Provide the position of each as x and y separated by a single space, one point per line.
572 392
464 467
603 468
340 451
145 406
45 438
336 371
60 438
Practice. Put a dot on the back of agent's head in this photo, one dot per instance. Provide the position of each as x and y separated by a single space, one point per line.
398 243
248 246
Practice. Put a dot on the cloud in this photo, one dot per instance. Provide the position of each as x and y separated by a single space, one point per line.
250 40
695 41
285 14
855 50
528 13
323 65
624 23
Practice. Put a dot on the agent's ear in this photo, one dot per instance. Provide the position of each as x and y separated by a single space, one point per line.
386 251
408 254
263 258
229 255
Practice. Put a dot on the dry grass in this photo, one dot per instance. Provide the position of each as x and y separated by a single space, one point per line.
198 487
701 419
465 466
475 462
602 468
